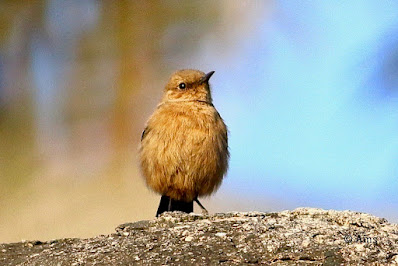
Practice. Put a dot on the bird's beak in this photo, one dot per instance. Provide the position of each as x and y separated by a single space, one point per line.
206 77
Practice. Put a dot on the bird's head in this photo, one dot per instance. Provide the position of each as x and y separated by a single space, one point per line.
187 85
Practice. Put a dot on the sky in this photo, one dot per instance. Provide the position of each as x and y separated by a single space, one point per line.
308 122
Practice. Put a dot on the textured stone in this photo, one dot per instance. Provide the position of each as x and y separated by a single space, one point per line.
304 236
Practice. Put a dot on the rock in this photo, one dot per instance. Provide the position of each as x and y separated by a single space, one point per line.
303 236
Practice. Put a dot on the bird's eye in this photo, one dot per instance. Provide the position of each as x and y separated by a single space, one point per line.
182 85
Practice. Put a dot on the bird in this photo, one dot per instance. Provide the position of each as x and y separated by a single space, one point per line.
184 147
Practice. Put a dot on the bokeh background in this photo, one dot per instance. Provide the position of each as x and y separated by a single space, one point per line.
309 91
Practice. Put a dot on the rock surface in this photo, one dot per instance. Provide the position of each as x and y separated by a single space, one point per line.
303 236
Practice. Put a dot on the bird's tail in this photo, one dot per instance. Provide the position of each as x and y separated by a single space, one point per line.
168 204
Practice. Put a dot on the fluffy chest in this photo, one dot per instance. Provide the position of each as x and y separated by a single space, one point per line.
191 120
185 126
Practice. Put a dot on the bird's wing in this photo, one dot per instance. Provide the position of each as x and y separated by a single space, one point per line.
144 133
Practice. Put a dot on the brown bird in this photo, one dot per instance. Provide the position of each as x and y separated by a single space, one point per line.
184 147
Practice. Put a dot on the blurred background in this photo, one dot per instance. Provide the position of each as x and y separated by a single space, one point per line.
309 92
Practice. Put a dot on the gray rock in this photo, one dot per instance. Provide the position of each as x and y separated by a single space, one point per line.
304 236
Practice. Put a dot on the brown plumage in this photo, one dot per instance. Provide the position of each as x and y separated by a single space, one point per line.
184 147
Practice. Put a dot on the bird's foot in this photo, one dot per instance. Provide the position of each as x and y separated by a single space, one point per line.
205 212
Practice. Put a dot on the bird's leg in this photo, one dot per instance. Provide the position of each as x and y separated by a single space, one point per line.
204 211
169 208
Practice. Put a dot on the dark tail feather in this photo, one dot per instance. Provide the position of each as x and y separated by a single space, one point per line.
167 204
